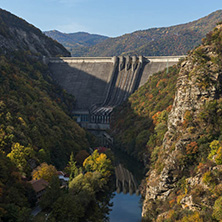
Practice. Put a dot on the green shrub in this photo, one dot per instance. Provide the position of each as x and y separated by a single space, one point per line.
214 146
217 212
209 179
218 158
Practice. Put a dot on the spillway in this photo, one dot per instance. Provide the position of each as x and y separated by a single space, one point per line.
100 84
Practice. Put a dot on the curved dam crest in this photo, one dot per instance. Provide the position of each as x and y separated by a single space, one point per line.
101 83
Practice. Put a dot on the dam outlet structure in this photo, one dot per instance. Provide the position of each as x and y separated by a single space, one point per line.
101 83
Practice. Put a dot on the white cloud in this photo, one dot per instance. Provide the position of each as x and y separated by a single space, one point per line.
71 27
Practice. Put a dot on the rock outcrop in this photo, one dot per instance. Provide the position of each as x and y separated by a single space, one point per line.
199 82
17 34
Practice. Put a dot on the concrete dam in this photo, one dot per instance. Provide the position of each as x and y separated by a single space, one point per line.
101 83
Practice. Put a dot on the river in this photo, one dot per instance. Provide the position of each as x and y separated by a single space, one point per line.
126 208
127 204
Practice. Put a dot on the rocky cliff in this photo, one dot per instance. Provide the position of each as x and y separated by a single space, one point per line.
185 181
17 34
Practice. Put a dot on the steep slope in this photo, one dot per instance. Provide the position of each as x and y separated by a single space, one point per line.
174 40
17 34
35 125
34 111
140 123
174 125
185 180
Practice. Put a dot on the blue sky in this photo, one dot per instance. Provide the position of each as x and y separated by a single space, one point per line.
108 17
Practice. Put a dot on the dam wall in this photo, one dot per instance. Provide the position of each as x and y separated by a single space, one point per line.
87 81
101 83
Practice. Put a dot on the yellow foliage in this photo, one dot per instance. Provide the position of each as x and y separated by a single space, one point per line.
192 218
214 146
180 197
218 158
19 155
22 121
98 162
44 171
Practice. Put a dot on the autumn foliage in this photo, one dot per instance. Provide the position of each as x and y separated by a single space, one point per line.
98 162
44 171
192 148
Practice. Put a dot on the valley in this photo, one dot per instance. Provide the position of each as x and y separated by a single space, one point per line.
138 131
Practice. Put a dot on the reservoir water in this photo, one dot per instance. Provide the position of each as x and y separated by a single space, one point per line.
127 204
126 208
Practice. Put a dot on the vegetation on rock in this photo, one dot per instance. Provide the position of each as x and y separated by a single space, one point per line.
182 136
17 34
139 125
190 176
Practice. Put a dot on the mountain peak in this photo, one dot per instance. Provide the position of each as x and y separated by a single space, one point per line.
17 34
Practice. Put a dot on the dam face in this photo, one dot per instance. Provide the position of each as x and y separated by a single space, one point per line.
100 84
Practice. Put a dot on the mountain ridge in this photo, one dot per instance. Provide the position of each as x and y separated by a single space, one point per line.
172 40
17 34
75 41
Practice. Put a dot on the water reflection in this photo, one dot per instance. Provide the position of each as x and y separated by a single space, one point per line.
125 181
126 208
126 202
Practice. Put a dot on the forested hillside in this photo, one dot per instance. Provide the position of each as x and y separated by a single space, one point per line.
140 123
35 112
174 40
177 130
35 121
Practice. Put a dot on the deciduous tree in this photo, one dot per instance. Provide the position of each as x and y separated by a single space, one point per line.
44 171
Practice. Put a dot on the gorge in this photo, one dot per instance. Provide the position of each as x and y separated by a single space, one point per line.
165 112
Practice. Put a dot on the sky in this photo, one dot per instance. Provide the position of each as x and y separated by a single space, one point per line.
108 17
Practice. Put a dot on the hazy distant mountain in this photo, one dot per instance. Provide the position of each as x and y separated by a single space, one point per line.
174 40
75 42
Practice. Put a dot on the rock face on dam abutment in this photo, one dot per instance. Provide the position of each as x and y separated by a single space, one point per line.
101 83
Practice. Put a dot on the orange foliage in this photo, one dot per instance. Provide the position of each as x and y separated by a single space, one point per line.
168 109
171 202
192 148
155 117
201 166
32 118
150 96
160 81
